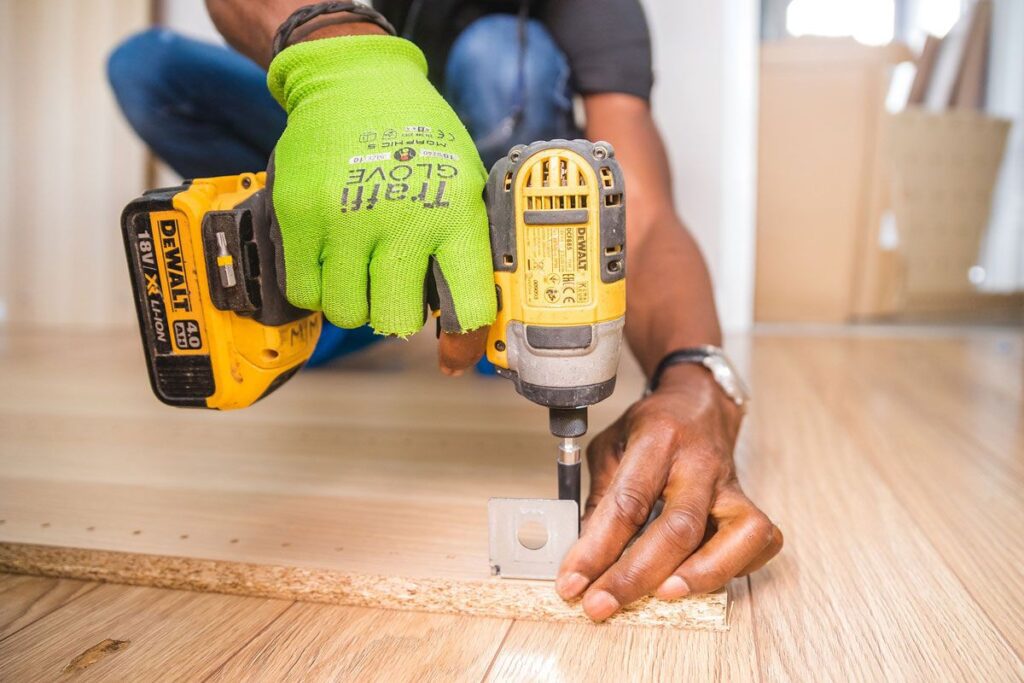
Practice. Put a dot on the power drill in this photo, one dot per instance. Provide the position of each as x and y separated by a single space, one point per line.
558 242
206 266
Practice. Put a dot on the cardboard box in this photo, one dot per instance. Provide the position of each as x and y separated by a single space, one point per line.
942 170
821 189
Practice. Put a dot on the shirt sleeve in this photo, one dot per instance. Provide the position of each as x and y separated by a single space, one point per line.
607 43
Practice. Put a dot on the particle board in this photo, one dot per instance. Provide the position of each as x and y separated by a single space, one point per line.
365 484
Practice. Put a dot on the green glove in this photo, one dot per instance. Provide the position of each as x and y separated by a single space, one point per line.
374 178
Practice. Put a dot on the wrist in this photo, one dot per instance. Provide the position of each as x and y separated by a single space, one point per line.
691 378
335 27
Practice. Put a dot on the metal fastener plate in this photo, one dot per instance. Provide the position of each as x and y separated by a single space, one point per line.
509 557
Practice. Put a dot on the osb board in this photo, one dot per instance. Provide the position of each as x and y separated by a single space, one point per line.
345 484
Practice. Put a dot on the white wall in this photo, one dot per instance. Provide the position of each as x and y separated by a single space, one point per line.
1003 250
68 164
705 102
189 17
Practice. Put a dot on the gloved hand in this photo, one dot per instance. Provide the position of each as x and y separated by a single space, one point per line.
374 178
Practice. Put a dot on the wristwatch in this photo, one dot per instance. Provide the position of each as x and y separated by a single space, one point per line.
715 360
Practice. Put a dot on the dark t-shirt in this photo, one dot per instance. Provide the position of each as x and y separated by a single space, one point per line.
606 41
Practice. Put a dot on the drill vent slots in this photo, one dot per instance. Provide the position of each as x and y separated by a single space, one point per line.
550 173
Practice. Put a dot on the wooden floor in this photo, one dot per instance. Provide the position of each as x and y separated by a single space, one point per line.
894 463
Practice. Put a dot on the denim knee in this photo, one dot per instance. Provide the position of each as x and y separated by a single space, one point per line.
139 73
484 84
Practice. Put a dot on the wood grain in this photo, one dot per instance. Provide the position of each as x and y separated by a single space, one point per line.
322 643
885 602
371 484
549 652
891 459
970 505
24 599
161 633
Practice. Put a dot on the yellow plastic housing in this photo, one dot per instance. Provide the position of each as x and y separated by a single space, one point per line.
246 355
557 280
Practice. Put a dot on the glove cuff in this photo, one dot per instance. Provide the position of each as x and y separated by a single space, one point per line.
316 64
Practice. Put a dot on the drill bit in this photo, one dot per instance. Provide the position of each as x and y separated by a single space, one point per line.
569 469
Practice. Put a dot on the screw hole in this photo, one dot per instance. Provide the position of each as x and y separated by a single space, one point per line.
614 266
532 535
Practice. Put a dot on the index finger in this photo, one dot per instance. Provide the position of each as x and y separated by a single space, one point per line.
621 512
457 351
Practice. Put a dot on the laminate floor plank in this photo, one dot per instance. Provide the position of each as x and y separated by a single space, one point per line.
860 592
118 633
24 599
328 643
600 654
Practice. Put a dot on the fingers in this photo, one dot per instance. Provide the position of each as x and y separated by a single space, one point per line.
770 551
456 352
397 299
664 545
302 273
465 280
603 455
622 510
345 301
745 537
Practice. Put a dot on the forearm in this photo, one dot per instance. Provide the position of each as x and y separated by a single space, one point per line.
670 300
249 25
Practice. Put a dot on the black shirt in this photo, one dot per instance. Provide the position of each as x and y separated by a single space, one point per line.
606 41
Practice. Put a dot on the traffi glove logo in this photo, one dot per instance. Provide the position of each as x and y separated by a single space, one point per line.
374 182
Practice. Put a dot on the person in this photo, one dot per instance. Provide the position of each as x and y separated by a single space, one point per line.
347 100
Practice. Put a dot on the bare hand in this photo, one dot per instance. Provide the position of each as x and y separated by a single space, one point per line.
677 445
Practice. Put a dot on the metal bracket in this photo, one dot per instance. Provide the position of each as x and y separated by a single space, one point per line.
507 518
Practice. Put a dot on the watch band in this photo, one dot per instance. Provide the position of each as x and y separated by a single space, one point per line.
712 358
307 13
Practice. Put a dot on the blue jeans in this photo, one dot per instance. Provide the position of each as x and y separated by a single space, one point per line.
206 111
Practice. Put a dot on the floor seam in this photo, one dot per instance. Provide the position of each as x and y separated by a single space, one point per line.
753 629
246 643
75 597
497 652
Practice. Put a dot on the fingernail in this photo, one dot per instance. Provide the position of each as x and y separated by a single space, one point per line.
672 588
571 585
600 605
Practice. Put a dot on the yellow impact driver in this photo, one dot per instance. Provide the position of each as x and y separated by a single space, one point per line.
558 240
206 265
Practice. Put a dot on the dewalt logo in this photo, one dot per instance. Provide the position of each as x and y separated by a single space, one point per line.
170 248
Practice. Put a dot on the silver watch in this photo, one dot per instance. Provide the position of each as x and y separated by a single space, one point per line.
715 360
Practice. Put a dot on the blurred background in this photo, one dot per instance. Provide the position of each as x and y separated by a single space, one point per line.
840 161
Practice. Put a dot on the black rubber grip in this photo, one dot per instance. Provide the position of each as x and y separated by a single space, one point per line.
569 482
